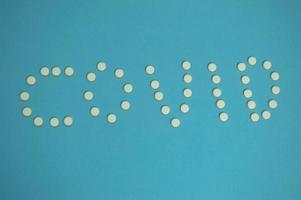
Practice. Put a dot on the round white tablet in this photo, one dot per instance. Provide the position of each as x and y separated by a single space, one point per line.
94 111
223 116
68 121
254 117
212 67
69 71
88 95
26 111
128 88
38 121
241 67
150 69
245 79
44 71
101 66
251 104
111 118
56 71
165 110
186 65
252 60
54 122
184 108
217 92
159 96
248 93
266 114
220 104
31 80
119 73
24 96
273 104
91 76
267 65
275 76
125 105
155 84
216 79
275 89
187 78
187 92
175 122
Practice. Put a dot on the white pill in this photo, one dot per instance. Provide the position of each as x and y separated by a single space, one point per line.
128 88
69 71
186 65
212 67
165 110
252 60
187 78
217 92
175 122
187 92
159 96
54 122
273 104
31 80
111 118
24 96
245 79
248 93
184 108
94 111
119 73
150 69
216 79
276 89
275 76
266 114
267 65
91 76
223 116
38 121
26 111
251 104
44 71
101 66
88 95
155 84
220 104
241 67
56 71
68 121
254 117
125 105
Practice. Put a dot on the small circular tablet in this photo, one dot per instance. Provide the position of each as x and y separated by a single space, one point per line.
91 76
69 71
186 65
266 114
44 71
275 89
159 96
273 104
267 65
88 95
254 117
245 79
252 60
26 112
248 93
119 73
128 88
251 104
165 110
111 118
216 79
31 80
212 67
54 122
155 84
24 96
187 78
38 121
187 92
68 121
125 105
184 108
275 76
241 67
217 92
101 66
94 111
56 71
220 104
150 69
223 116
175 122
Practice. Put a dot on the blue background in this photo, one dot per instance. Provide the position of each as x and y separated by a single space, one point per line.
141 156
